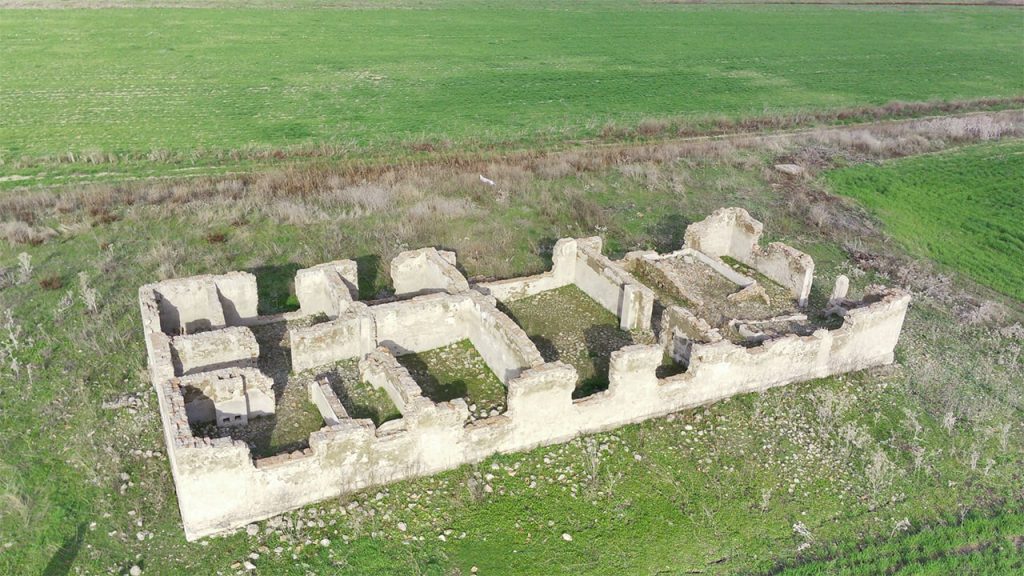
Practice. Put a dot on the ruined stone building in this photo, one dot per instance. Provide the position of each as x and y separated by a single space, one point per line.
721 316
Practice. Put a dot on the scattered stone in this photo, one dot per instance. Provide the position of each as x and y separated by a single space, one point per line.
753 292
325 542
567 537
123 401
252 529
135 571
402 527
790 169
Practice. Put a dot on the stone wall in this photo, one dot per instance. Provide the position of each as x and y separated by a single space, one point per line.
205 302
416 325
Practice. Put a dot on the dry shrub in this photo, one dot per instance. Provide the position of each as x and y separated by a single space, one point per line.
51 283
646 173
26 206
652 127
231 188
216 237
18 232
587 214
295 212
507 175
166 256
362 198
442 207
552 168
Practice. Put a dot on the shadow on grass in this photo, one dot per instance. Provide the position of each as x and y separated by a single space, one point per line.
433 387
369 270
275 286
668 232
64 557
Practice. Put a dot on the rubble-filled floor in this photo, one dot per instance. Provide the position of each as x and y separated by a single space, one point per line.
457 371
567 325
688 282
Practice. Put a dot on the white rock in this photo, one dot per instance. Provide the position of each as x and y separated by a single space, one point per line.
252 529
135 571
791 169
402 526
567 537
248 565
325 542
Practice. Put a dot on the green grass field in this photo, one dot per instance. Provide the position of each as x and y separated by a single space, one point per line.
155 82
963 208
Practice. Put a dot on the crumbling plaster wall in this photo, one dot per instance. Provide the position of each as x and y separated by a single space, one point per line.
205 302
734 233
234 346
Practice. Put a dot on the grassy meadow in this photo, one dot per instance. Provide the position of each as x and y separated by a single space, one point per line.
124 90
963 208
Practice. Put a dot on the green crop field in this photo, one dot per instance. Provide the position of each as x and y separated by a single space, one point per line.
963 208
85 83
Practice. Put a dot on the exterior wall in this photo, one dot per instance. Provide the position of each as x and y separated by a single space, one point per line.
733 232
328 288
424 271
